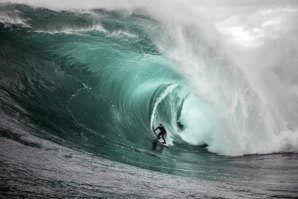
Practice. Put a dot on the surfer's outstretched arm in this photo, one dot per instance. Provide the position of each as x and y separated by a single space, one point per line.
155 129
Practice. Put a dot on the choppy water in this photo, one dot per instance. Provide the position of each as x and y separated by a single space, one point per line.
83 85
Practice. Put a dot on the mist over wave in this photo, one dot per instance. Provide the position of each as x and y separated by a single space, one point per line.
226 71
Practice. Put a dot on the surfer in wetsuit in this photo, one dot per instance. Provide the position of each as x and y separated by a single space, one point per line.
162 132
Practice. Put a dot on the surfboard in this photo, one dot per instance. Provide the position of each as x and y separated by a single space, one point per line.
161 142
158 145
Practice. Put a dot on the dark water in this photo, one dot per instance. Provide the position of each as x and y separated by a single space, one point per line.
80 94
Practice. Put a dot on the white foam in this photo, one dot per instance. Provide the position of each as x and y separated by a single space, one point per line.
72 30
12 18
94 28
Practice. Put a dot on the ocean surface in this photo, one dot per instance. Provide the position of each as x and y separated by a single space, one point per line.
83 85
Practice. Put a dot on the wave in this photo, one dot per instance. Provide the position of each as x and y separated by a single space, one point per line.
102 78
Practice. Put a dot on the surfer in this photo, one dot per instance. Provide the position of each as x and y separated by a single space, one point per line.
162 133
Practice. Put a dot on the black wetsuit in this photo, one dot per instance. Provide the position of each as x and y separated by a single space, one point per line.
162 133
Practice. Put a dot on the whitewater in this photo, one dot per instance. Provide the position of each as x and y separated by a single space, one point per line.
84 83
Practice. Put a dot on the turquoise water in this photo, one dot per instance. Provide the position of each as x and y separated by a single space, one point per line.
96 82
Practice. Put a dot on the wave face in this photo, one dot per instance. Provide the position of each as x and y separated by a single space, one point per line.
99 77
